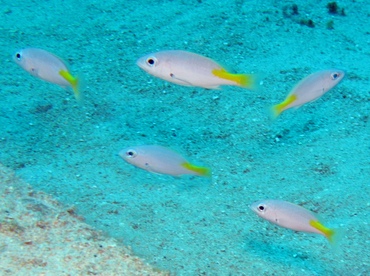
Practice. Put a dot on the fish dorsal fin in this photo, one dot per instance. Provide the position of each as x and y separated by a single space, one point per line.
202 171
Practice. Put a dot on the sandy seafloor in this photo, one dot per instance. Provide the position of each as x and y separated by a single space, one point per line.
316 156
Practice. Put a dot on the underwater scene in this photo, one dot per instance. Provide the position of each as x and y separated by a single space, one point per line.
196 137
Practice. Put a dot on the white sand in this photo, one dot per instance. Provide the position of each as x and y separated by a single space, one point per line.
39 236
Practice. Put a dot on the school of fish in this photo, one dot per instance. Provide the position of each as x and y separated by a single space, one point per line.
194 70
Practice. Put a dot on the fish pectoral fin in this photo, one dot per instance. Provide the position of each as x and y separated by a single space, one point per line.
34 72
184 82
150 169
202 171
248 81
73 81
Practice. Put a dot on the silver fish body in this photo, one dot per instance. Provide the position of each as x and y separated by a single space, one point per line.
190 69
162 160
42 64
286 214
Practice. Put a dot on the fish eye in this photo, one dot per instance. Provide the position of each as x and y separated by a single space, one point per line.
261 208
334 76
131 153
18 56
152 61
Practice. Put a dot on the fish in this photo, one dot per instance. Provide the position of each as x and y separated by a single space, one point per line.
190 69
161 160
292 216
309 89
48 67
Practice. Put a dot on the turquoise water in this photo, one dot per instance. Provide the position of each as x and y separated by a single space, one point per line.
316 156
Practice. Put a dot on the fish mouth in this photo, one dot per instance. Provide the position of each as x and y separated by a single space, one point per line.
122 153
253 206
141 63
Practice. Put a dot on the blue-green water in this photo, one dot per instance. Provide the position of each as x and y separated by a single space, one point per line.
316 156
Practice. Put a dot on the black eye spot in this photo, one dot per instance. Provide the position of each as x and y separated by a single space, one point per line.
152 61
334 76
261 208
18 56
131 153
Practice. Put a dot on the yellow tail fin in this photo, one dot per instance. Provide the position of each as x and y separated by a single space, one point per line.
333 235
278 108
248 81
74 82
276 111
202 171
